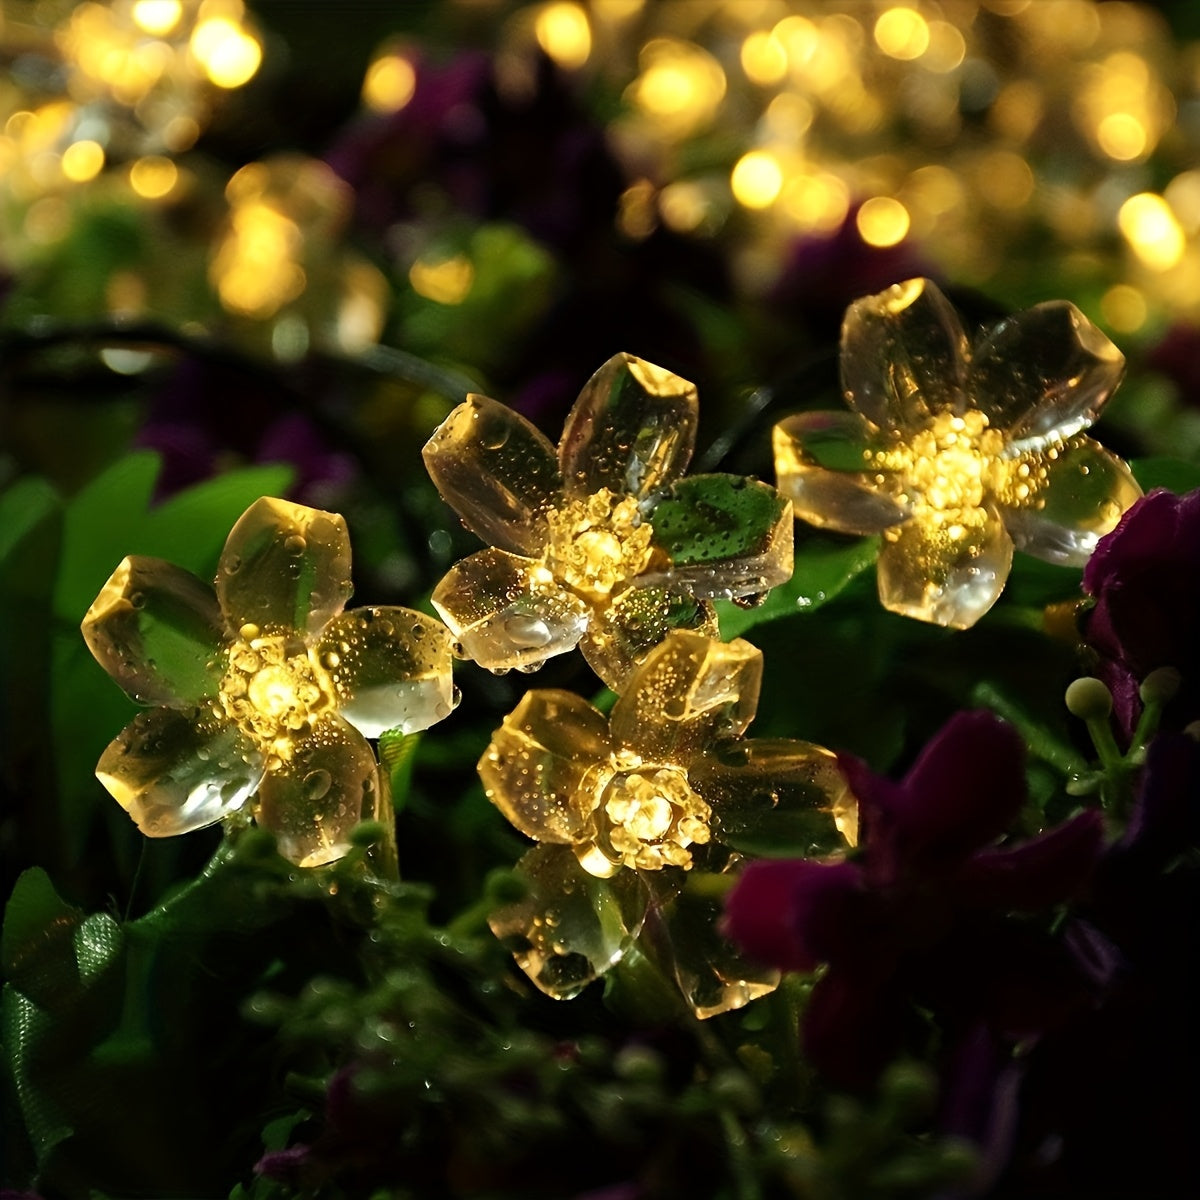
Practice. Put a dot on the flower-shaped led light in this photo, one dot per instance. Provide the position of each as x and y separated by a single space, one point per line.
955 453
623 807
603 545
264 686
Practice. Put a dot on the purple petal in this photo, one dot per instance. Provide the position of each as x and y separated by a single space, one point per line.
1166 818
962 793
1038 873
852 1028
795 914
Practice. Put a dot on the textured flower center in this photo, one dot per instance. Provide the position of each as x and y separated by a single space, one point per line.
273 689
597 543
648 818
947 470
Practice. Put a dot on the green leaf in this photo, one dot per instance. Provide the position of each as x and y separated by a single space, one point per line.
23 507
36 942
715 518
190 528
1171 473
824 567
99 523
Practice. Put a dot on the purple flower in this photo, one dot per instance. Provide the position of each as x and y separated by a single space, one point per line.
532 157
1177 357
1145 579
208 415
932 914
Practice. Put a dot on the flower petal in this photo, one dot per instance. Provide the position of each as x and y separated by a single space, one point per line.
497 471
572 926
1076 493
534 769
795 914
622 634
689 691
713 974
390 667
176 771
284 567
1038 873
155 628
962 793
948 573
819 465
1044 373
775 796
903 356
507 612
633 429
724 535
327 786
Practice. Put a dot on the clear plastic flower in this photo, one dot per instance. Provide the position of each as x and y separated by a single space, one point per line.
264 686
601 544
955 452
625 807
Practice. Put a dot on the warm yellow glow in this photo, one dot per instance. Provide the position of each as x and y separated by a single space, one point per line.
617 10
273 695
947 47
681 85
636 212
597 543
153 177
1017 110
1152 231
1122 136
799 38
652 817
902 33
684 206
764 59
1183 195
1124 308
157 17
254 269
1005 179
756 179
816 203
82 161
180 133
443 280
229 56
934 189
562 30
789 117
882 221
389 83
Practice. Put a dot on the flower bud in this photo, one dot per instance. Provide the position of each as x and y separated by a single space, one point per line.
1089 699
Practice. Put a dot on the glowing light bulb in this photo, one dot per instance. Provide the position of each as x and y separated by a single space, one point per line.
563 32
153 177
444 280
82 161
882 221
389 83
1152 231
902 33
757 179
157 17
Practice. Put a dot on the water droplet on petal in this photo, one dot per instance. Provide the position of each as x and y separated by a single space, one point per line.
295 545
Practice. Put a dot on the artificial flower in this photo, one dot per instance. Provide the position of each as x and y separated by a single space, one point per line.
1145 580
604 544
923 916
624 807
265 687
956 453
